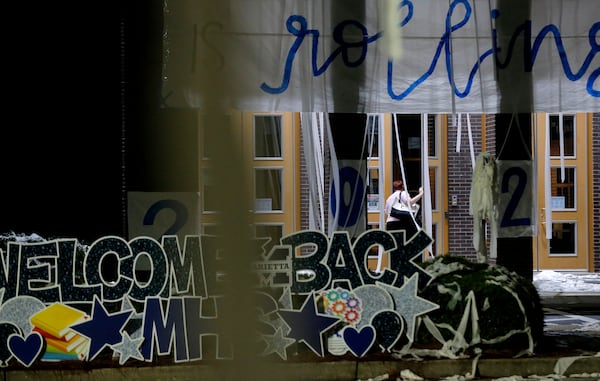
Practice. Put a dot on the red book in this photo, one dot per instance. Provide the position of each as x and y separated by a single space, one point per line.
62 344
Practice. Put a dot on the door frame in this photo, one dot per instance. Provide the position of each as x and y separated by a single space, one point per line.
580 215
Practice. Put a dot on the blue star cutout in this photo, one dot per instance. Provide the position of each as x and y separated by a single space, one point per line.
128 348
103 328
307 325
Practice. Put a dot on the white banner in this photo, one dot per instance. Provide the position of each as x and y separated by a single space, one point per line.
425 56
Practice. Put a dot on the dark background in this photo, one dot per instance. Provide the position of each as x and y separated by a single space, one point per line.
82 118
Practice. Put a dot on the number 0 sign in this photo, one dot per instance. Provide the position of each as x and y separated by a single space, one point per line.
515 205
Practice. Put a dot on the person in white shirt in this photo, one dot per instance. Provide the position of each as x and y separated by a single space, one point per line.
405 221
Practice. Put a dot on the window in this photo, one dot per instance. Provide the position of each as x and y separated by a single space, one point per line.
432 136
373 189
568 137
563 192
267 136
373 136
433 185
409 131
268 189
564 235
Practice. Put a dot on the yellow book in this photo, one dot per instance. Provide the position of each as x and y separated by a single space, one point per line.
57 318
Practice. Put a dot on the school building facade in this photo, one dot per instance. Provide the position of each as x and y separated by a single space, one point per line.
288 161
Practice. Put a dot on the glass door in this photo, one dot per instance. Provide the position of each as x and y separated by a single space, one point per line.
412 138
564 244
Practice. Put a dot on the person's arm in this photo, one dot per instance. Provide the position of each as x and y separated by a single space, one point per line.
417 197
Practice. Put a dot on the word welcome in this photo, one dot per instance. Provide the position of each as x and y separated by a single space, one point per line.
54 271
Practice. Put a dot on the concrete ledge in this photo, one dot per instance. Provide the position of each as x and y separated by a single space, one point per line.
323 371
431 369
570 300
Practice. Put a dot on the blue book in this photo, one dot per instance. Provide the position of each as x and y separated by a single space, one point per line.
56 356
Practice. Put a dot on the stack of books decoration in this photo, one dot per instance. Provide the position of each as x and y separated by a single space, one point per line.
62 343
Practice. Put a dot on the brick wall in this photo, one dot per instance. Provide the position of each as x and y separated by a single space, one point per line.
490 134
304 194
460 171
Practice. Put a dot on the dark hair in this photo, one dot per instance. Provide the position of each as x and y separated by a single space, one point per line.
398 185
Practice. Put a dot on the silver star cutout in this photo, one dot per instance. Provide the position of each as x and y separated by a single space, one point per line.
408 304
277 343
285 300
128 348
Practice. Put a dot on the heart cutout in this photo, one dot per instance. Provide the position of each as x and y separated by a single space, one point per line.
359 341
26 350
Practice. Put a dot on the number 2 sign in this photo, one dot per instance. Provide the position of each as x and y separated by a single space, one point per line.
515 201
154 214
